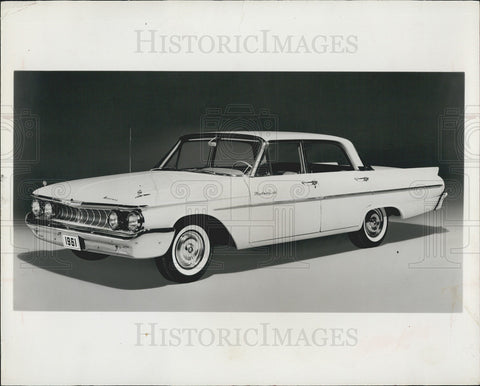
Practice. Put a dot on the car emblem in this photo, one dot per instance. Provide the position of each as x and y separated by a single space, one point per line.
109 198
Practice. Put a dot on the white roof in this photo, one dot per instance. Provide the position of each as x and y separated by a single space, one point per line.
293 135
283 135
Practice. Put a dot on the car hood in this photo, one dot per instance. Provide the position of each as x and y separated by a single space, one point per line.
138 189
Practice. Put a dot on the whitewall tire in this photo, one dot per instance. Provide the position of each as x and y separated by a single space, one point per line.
373 230
189 255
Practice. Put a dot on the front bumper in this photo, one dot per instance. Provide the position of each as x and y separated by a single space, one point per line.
146 245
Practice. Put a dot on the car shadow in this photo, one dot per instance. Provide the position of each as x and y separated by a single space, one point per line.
131 274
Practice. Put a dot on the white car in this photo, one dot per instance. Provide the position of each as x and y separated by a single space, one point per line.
245 188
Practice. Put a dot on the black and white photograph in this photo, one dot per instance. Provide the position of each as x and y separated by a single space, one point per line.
304 192
201 192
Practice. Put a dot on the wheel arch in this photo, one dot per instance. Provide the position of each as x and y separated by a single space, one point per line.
393 211
389 209
216 230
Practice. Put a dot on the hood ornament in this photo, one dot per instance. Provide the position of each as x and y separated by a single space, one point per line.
141 194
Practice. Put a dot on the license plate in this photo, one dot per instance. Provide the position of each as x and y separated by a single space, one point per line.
71 242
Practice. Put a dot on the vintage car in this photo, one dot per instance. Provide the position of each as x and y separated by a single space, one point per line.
245 188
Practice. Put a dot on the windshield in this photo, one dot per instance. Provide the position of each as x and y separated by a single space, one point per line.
214 155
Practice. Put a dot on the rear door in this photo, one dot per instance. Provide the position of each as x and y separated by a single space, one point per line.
344 191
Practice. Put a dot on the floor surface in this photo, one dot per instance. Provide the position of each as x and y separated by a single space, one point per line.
416 269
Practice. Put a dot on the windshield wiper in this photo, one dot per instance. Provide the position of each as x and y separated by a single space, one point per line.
169 168
206 171
211 171
174 169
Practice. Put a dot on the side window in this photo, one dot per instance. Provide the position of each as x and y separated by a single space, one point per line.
325 156
280 158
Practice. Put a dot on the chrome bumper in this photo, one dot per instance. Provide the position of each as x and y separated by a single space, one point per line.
440 200
144 246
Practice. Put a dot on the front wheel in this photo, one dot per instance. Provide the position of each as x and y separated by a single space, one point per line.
373 229
188 257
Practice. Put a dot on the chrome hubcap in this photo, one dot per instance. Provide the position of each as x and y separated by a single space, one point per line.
189 249
374 223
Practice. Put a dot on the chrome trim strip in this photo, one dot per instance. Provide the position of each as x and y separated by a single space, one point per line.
201 139
226 138
303 162
440 201
259 158
169 155
319 198
87 205
271 203
224 134
381 191
238 139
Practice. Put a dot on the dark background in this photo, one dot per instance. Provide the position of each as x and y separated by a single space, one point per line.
71 125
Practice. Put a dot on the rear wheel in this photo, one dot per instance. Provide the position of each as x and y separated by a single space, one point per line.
188 257
85 255
373 230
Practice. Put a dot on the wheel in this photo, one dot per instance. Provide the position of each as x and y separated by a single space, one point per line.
188 257
85 255
373 229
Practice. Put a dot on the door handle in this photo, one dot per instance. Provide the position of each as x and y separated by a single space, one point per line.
361 179
313 182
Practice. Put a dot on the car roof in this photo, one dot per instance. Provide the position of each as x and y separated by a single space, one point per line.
278 135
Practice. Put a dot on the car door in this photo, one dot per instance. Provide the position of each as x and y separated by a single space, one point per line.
343 190
284 202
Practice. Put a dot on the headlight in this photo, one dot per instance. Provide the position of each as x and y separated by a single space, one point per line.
113 220
36 208
48 210
134 221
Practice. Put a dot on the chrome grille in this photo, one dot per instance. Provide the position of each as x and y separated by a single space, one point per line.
85 216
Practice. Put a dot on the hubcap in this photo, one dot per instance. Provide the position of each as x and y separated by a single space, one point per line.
374 223
189 249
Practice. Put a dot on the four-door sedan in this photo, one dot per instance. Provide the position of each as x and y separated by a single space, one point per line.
245 188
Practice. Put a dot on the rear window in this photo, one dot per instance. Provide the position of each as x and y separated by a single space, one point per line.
325 156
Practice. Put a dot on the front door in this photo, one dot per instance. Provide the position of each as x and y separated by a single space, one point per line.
284 200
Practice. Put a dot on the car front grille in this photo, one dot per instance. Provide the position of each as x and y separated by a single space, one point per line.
84 216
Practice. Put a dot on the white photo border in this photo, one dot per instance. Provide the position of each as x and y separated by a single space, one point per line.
101 347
